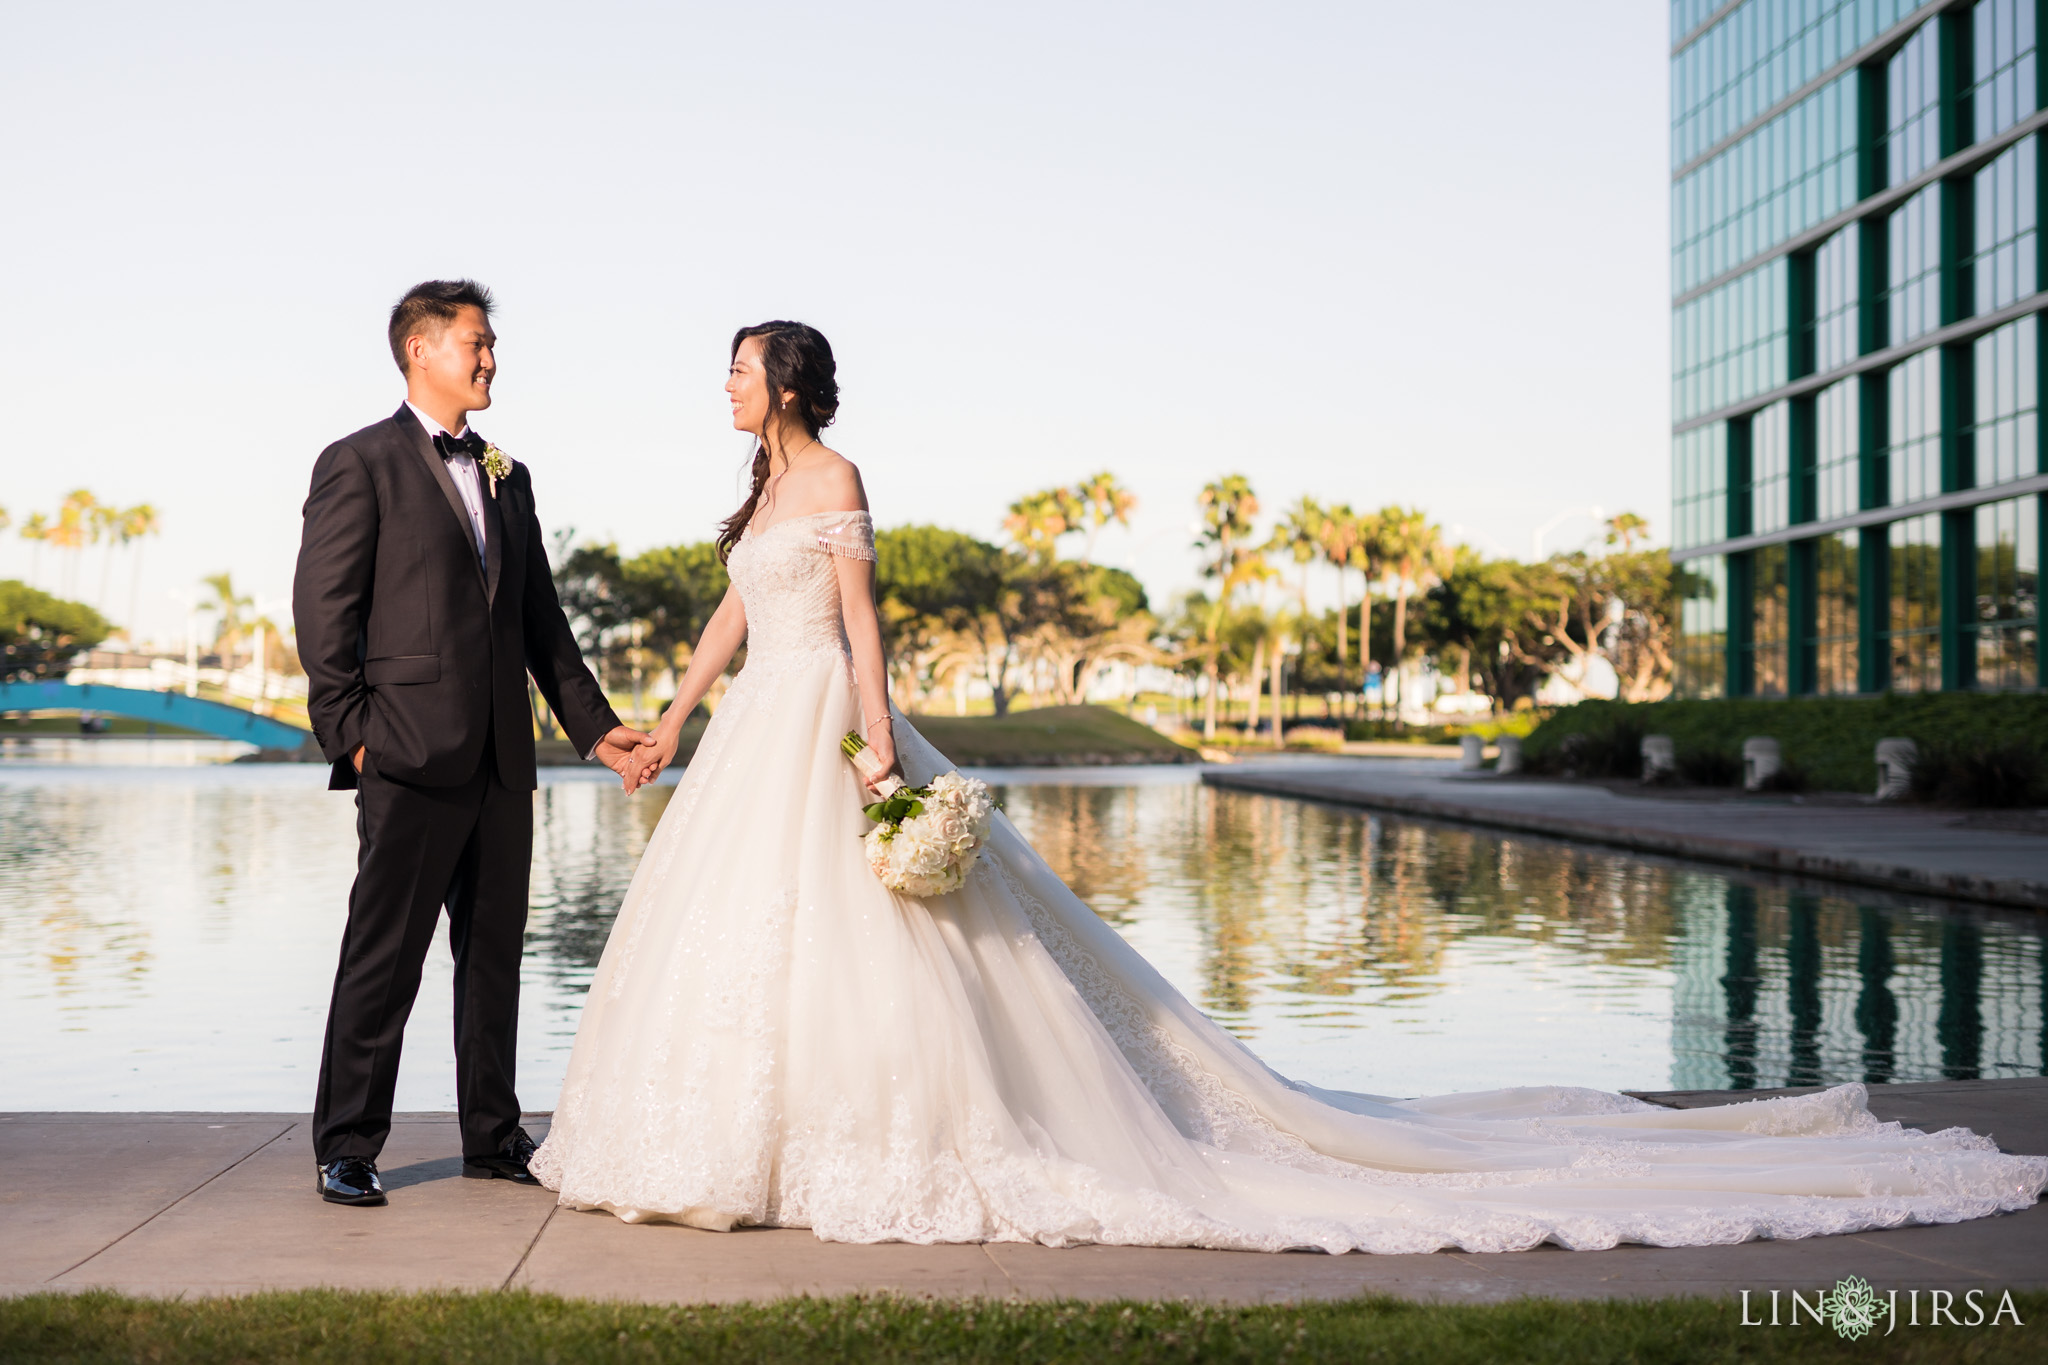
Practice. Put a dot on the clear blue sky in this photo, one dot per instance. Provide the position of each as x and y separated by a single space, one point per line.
1373 252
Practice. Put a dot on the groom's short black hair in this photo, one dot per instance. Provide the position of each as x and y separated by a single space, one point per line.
430 306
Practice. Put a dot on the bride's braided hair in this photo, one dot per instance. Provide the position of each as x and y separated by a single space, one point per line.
798 360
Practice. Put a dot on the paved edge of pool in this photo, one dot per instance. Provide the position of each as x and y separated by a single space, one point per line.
215 1204
1951 876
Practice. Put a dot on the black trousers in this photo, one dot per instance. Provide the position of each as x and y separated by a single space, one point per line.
468 848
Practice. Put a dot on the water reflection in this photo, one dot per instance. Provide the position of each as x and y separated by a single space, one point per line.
167 940
1391 955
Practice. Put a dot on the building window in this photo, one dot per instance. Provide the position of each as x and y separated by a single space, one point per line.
1913 106
1756 56
1731 344
1834 614
2007 442
1913 634
1770 469
1913 460
2006 254
2008 594
1913 275
1699 486
1837 450
2002 64
1835 287
1780 180
1703 627
1770 620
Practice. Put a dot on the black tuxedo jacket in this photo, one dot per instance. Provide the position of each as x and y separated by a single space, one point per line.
412 648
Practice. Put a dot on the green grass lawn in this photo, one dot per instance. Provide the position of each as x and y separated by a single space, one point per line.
67 725
502 1329
1050 735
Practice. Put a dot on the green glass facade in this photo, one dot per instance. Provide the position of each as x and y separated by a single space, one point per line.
1858 482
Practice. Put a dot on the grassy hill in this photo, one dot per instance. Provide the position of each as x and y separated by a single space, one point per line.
1050 737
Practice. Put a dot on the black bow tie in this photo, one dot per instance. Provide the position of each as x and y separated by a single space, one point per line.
452 447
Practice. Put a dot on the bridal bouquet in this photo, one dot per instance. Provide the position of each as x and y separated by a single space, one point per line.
925 838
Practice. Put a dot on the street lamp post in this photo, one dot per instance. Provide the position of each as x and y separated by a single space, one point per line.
1536 536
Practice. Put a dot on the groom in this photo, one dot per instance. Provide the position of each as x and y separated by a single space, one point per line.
422 600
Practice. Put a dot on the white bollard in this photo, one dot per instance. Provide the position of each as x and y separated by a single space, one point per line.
1510 760
1660 758
1759 761
1471 754
1895 760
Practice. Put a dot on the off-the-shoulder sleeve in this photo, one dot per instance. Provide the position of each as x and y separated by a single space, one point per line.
850 537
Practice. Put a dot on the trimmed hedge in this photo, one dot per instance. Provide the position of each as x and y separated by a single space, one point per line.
1830 741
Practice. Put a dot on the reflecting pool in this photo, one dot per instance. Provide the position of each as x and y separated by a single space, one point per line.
168 936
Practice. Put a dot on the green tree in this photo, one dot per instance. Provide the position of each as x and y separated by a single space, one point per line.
673 591
932 585
1498 611
40 634
1093 614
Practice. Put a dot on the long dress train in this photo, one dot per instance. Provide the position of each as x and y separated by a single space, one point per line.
773 1038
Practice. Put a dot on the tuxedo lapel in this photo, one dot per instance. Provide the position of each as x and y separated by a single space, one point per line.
494 533
410 431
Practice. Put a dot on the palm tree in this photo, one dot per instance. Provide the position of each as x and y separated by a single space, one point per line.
36 531
1416 558
1625 529
1104 500
1369 557
1038 520
228 633
138 523
1338 535
1227 507
73 530
106 526
1299 532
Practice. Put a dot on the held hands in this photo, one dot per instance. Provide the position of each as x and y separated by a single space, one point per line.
661 752
625 752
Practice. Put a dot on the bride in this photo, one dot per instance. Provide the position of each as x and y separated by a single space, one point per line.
773 1038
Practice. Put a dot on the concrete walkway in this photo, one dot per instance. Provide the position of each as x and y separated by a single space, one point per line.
161 1204
1902 848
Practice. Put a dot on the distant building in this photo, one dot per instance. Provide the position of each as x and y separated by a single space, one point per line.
1857 472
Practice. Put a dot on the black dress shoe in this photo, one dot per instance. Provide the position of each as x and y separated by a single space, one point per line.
507 1163
351 1180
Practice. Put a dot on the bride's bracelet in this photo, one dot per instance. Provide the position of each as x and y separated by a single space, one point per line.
873 723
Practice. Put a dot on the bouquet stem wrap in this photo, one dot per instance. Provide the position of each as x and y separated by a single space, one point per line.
925 839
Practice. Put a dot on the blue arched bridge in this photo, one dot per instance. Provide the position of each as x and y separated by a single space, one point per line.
165 708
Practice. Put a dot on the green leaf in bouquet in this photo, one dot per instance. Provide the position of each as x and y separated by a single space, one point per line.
899 806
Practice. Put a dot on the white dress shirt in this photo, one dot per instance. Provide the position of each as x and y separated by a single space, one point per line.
462 468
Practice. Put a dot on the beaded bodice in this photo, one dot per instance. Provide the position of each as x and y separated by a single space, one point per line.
787 583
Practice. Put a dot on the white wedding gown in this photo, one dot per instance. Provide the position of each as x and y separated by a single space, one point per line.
774 1038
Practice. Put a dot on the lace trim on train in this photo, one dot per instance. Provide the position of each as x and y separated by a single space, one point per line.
1223 1117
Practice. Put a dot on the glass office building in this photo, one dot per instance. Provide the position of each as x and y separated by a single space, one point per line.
1856 271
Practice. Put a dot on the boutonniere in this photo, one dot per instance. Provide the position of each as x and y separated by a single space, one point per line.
497 465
